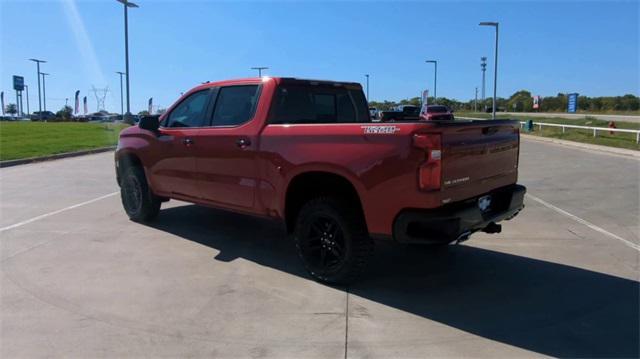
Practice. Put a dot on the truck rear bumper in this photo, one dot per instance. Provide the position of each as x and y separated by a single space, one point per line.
457 221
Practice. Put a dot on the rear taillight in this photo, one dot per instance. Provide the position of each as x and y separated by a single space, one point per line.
430 171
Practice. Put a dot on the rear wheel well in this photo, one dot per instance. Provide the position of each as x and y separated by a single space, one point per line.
310 185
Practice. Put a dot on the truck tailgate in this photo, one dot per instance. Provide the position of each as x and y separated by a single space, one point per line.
479 153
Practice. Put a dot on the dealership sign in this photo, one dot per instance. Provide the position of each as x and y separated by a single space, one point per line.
18 83
572 102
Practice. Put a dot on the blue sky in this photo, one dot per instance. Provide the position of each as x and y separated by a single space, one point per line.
588 47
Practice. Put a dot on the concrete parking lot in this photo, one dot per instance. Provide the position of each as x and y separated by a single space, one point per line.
78 279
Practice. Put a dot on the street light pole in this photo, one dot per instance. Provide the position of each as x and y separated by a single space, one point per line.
495 69
435 79
127 4
121 95
259 68
483 68
367 76
44 91
38 76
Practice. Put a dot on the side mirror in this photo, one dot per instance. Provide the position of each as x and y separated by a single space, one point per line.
150 123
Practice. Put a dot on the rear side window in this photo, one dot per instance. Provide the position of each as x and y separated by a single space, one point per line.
318 104
235 105
190 112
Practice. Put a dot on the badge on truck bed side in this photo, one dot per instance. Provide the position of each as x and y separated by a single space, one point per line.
382 130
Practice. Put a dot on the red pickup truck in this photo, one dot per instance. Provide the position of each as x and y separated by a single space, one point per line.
306 153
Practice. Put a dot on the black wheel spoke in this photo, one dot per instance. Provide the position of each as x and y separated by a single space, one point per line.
324 243
323 256
317 227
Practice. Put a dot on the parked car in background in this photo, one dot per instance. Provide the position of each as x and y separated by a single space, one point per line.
44 116
437 113
305 153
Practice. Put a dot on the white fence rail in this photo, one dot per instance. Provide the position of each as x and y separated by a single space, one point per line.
594 129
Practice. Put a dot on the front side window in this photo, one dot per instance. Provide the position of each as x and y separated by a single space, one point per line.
190 112
235 105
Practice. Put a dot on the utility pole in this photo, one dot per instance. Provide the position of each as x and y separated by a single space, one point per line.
483 68
121 95
367 76
259 68
38 76
475 105
127 4
44 91
435 79
495 69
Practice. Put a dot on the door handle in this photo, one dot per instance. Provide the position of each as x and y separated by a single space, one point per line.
187 142
243 142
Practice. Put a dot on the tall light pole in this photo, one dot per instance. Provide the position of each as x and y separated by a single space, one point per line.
121 95
38 76
495 69
367 76
435 79
483 68
259 68
127 4
44 91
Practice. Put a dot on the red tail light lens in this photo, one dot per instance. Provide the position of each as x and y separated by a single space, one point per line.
430 171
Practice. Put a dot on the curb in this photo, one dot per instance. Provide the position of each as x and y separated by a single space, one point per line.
584 146
58 156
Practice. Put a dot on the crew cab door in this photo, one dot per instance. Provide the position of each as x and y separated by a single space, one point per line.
227 149
175 173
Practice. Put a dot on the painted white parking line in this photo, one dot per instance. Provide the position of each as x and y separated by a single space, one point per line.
19 224
585 222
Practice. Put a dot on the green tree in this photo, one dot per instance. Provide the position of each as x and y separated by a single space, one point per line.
65 113
520 101
11 109
143 113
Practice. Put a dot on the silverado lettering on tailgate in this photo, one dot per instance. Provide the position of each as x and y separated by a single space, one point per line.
383 130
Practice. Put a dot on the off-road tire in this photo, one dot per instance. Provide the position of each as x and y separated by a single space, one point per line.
140 204
357 246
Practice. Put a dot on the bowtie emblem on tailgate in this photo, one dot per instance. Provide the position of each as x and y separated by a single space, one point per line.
484 203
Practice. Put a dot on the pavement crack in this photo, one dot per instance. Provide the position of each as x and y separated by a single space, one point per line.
575 234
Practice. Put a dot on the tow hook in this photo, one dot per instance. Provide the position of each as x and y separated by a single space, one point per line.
492 228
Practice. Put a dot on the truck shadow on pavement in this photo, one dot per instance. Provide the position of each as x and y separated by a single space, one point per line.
544 307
